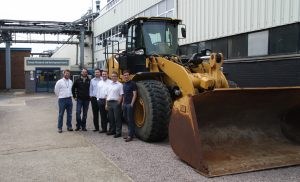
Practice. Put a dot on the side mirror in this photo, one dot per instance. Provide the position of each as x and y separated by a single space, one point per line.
124 29
183 32
104 43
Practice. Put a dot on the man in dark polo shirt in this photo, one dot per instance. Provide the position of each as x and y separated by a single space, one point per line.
130 94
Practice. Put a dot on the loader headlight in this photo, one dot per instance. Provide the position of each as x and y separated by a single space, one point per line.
139 52
177 92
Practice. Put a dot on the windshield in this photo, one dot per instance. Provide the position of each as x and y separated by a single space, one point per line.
160 38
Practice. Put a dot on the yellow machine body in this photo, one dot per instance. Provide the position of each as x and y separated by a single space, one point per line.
220 130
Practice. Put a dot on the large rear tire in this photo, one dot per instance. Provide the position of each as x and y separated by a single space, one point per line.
152 111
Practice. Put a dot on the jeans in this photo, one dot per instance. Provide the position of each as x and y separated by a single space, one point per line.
128 115
65 104
84 105
114 116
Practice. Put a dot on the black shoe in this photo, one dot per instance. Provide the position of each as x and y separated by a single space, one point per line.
102 131
128 139
95 130
59 130
77 129
117 135
70 129
84 129
110 133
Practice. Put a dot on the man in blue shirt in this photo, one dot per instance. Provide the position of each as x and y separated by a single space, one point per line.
130 94
93 92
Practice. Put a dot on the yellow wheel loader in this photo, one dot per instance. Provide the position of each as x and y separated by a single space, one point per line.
215 129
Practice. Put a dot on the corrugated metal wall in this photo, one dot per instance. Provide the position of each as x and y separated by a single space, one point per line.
210 19
264 74
123 11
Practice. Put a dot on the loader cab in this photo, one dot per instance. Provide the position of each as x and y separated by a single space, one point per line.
148 37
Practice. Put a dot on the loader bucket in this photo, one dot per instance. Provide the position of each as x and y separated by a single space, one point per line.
230 131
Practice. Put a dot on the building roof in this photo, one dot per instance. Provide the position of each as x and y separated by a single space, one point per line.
16 49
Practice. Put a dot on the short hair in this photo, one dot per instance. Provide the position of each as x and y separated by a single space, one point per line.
126 71
104 71
66 70
84 69
97 69
114 72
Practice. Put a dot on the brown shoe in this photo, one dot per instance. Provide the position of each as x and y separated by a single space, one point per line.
128 139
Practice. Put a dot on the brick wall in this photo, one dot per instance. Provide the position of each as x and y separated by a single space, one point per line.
17 67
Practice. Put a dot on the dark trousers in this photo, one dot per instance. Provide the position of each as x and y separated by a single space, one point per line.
95 110
65 104
84 106
103 114
128 116
114 116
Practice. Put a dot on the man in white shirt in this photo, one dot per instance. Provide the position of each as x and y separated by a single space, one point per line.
113 105
102 90
93 93
63 91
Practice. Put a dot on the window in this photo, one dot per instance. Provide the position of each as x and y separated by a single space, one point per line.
258 43
284 39
162 7
238 46
160 38
204 45
170 14
170 4
191 49
183 50
220 46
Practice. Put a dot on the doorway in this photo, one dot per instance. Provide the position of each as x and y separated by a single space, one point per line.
45 79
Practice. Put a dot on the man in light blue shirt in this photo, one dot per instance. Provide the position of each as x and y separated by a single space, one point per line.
93 92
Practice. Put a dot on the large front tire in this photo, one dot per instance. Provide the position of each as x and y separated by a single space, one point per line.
152 111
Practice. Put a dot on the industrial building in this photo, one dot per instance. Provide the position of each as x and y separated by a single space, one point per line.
259 38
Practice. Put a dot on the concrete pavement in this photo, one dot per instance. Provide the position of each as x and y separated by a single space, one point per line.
32 150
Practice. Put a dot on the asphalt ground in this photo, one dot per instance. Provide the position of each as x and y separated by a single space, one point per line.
32 150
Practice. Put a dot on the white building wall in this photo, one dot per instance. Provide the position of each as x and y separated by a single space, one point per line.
69 51
210 19
121 11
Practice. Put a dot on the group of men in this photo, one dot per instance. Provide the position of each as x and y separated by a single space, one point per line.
109 99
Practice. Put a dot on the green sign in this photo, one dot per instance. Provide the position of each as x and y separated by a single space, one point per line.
48 62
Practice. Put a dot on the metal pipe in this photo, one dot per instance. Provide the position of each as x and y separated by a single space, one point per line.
76 54
8 65
81 42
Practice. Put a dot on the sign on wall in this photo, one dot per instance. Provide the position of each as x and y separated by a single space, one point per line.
47 62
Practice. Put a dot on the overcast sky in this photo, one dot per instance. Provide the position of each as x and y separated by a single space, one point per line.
44 10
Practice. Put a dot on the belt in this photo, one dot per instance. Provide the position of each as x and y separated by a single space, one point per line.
112 101
67 98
